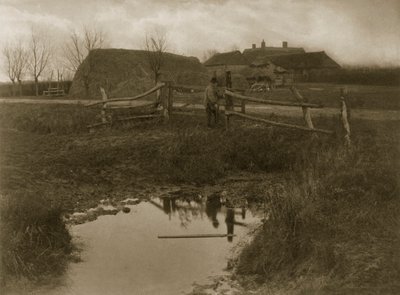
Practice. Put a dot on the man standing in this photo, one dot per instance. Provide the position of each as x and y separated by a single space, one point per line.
210 101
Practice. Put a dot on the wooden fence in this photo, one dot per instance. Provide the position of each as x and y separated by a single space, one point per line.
301 102
163 107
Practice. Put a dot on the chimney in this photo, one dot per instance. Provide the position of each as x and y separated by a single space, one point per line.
253 46
284 44
263 44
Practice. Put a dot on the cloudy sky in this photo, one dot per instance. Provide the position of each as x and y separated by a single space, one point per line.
351 31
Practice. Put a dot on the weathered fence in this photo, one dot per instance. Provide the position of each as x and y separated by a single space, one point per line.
54 92
164 107
301 102
161 107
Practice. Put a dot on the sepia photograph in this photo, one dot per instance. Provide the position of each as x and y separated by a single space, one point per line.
200 147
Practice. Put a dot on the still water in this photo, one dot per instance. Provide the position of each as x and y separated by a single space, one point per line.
122 254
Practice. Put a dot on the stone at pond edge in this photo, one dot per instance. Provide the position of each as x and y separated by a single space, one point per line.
126 209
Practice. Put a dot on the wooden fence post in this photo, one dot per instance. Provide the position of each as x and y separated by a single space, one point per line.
164 102
344 113
104 107
306 110
226 121
243 105
170 97
228 98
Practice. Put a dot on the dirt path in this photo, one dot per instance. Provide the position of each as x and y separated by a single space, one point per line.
369 114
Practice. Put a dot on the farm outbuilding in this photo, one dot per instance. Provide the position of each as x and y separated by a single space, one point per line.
233 61
275 65
125 72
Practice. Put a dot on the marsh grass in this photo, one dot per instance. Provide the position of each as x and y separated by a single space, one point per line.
34 239
334 216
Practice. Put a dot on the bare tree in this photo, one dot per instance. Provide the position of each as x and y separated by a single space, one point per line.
155 47
40 53
10 65
16 61
80 44
21 63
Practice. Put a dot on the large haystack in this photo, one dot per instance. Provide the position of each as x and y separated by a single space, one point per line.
126 72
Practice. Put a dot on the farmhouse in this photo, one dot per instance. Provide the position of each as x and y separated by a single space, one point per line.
273 64
254 53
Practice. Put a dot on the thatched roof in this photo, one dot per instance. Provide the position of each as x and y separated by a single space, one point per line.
226 58
255 53
126 72
309 60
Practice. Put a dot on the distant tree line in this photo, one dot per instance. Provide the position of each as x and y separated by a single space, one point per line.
360 75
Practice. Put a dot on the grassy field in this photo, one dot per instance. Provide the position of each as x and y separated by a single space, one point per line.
333 213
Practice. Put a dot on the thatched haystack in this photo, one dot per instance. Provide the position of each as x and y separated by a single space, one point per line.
125 72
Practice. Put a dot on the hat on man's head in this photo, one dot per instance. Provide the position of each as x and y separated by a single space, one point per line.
213 80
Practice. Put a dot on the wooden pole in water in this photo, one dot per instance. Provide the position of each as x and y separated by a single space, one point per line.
197 236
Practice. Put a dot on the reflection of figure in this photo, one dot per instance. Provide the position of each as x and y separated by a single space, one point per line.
213 205
230 220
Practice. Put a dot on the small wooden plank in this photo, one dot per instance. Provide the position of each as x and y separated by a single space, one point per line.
197 236
272 102
285 125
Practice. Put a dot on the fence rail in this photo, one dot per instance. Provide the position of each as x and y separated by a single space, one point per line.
163 99
163 107
148 92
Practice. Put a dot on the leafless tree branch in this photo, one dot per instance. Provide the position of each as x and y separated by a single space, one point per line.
155 47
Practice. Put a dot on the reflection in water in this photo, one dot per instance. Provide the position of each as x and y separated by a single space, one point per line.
230 221
123 255
191 208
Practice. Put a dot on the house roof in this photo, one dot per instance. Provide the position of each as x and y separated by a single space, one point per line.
252 54
309 60
226 58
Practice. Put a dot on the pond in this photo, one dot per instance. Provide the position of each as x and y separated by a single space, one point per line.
122 253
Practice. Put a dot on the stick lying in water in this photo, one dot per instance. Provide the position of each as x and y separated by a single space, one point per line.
196 236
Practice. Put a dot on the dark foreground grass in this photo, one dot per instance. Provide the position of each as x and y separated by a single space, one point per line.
34 239
333 222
